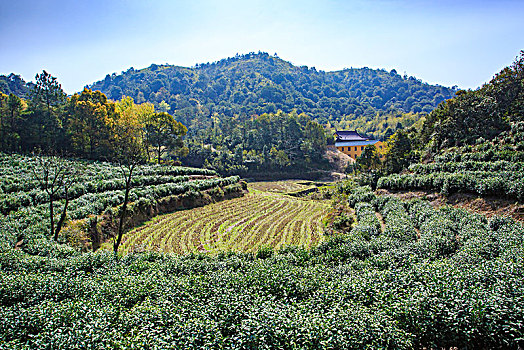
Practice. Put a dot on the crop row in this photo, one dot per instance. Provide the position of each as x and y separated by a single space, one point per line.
453 167
16 174
429 232
489 155
14 201
399 225
242 224
459 284
368 224
484 183
32 221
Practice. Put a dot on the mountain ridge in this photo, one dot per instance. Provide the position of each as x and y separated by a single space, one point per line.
257 83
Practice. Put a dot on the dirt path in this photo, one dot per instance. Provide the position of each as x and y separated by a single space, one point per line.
381 220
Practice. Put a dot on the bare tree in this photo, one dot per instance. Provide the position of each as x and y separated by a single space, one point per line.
127 166
129 151
55 177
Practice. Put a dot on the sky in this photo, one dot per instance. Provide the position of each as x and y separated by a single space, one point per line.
444 42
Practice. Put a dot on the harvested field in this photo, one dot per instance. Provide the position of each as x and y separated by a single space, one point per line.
241 224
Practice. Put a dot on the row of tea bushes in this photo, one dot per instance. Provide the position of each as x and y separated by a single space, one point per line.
16 172
452 167
98 187
511 184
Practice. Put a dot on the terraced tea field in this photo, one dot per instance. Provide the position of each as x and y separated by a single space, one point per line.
241 224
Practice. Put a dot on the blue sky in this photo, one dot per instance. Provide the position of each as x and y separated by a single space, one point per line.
444 42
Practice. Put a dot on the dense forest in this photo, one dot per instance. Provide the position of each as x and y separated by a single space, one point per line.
89 125
254 84
272 143
480 115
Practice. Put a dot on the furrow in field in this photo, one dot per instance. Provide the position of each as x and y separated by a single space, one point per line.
240 213
256 222
241 224
266 229
210 214
279 227
157 230
231 233
233 227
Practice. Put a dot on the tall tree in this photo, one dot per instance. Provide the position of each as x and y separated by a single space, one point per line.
128 152
399 152
91 116
136 114
164 133
369 159
47 101
10 123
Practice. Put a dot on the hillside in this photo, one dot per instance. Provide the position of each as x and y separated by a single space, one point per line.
260 219
259 83
422 278
473 143
14 84
384 272
77 200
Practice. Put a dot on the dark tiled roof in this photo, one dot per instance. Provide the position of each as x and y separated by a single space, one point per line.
349 135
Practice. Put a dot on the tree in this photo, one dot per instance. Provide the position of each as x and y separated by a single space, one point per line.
164 133
54 176
47 101
164 107
369 159
9 125
128 152
136 114
91 116
399 152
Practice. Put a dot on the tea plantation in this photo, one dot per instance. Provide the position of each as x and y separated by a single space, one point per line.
424 277
489 168
97 188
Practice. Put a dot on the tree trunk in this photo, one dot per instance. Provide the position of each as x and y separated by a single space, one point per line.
159 153
120 232
62 217
51 215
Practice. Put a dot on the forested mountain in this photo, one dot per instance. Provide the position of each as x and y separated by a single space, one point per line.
258 83
483 125
475 116
14 84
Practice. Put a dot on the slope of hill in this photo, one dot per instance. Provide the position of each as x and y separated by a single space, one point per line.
14 84
475 116
475 143
259 83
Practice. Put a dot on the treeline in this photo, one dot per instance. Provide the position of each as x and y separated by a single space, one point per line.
258 83
475 116
271 143
15 84
86 125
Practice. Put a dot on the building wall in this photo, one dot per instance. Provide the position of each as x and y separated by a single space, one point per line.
355 151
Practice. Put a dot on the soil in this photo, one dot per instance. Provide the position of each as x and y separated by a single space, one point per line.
338 160
381 220
488 206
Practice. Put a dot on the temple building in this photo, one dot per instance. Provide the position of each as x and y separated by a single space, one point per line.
350 142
